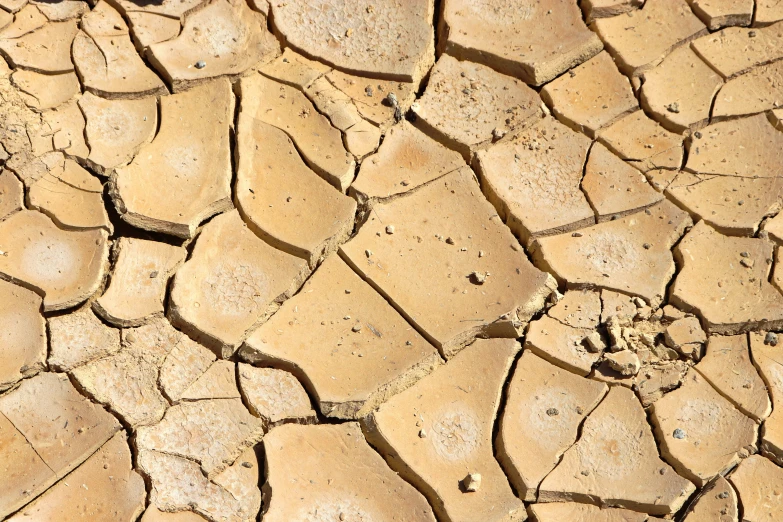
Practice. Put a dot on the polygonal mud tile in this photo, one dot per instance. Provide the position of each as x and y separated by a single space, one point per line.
275 395
722 13
637 40
728 367
67 129
593 9
716 503
25 474
544 408
467 106
679 92
294 69
702 434
433 267
362 139
13 6
213 433
285 202
725 280
610 255
151 28
614 303
734 205
333 103
222 37
178 484
613 187
574 512
643 143
116 129
767 12
78 338
758 482
393 42
232 282
218 382
45 91
748 147
106 61
109 490
70 196
138 283
578 309
50 429
66 267
11 194
406 160
22 334
534 179
60 11
331 458
591 95
535 43
773 227
153 514
615 463
183 176
184 364
375 104
127 384
440 430
766 358
169 8
287 108
756 91
344 342
561 345
735 50
28 19
46 49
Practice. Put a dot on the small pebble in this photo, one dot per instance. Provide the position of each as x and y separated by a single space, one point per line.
678 434
472 482
201 64
357 328
771 339
552 412
390 229
478 278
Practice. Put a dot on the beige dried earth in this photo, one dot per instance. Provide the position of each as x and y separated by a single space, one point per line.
391 260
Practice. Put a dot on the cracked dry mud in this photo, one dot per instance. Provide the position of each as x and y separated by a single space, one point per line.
391 260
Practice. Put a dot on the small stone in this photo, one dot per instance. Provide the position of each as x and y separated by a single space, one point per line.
647 246
595 343
478 278
368 91
771 339
552 412
449 241
368 253
357 328
747 263
625 362
390 229
472 482
673 107
201 64
678 434
422 433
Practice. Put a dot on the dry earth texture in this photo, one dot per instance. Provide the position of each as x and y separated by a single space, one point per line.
391 260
